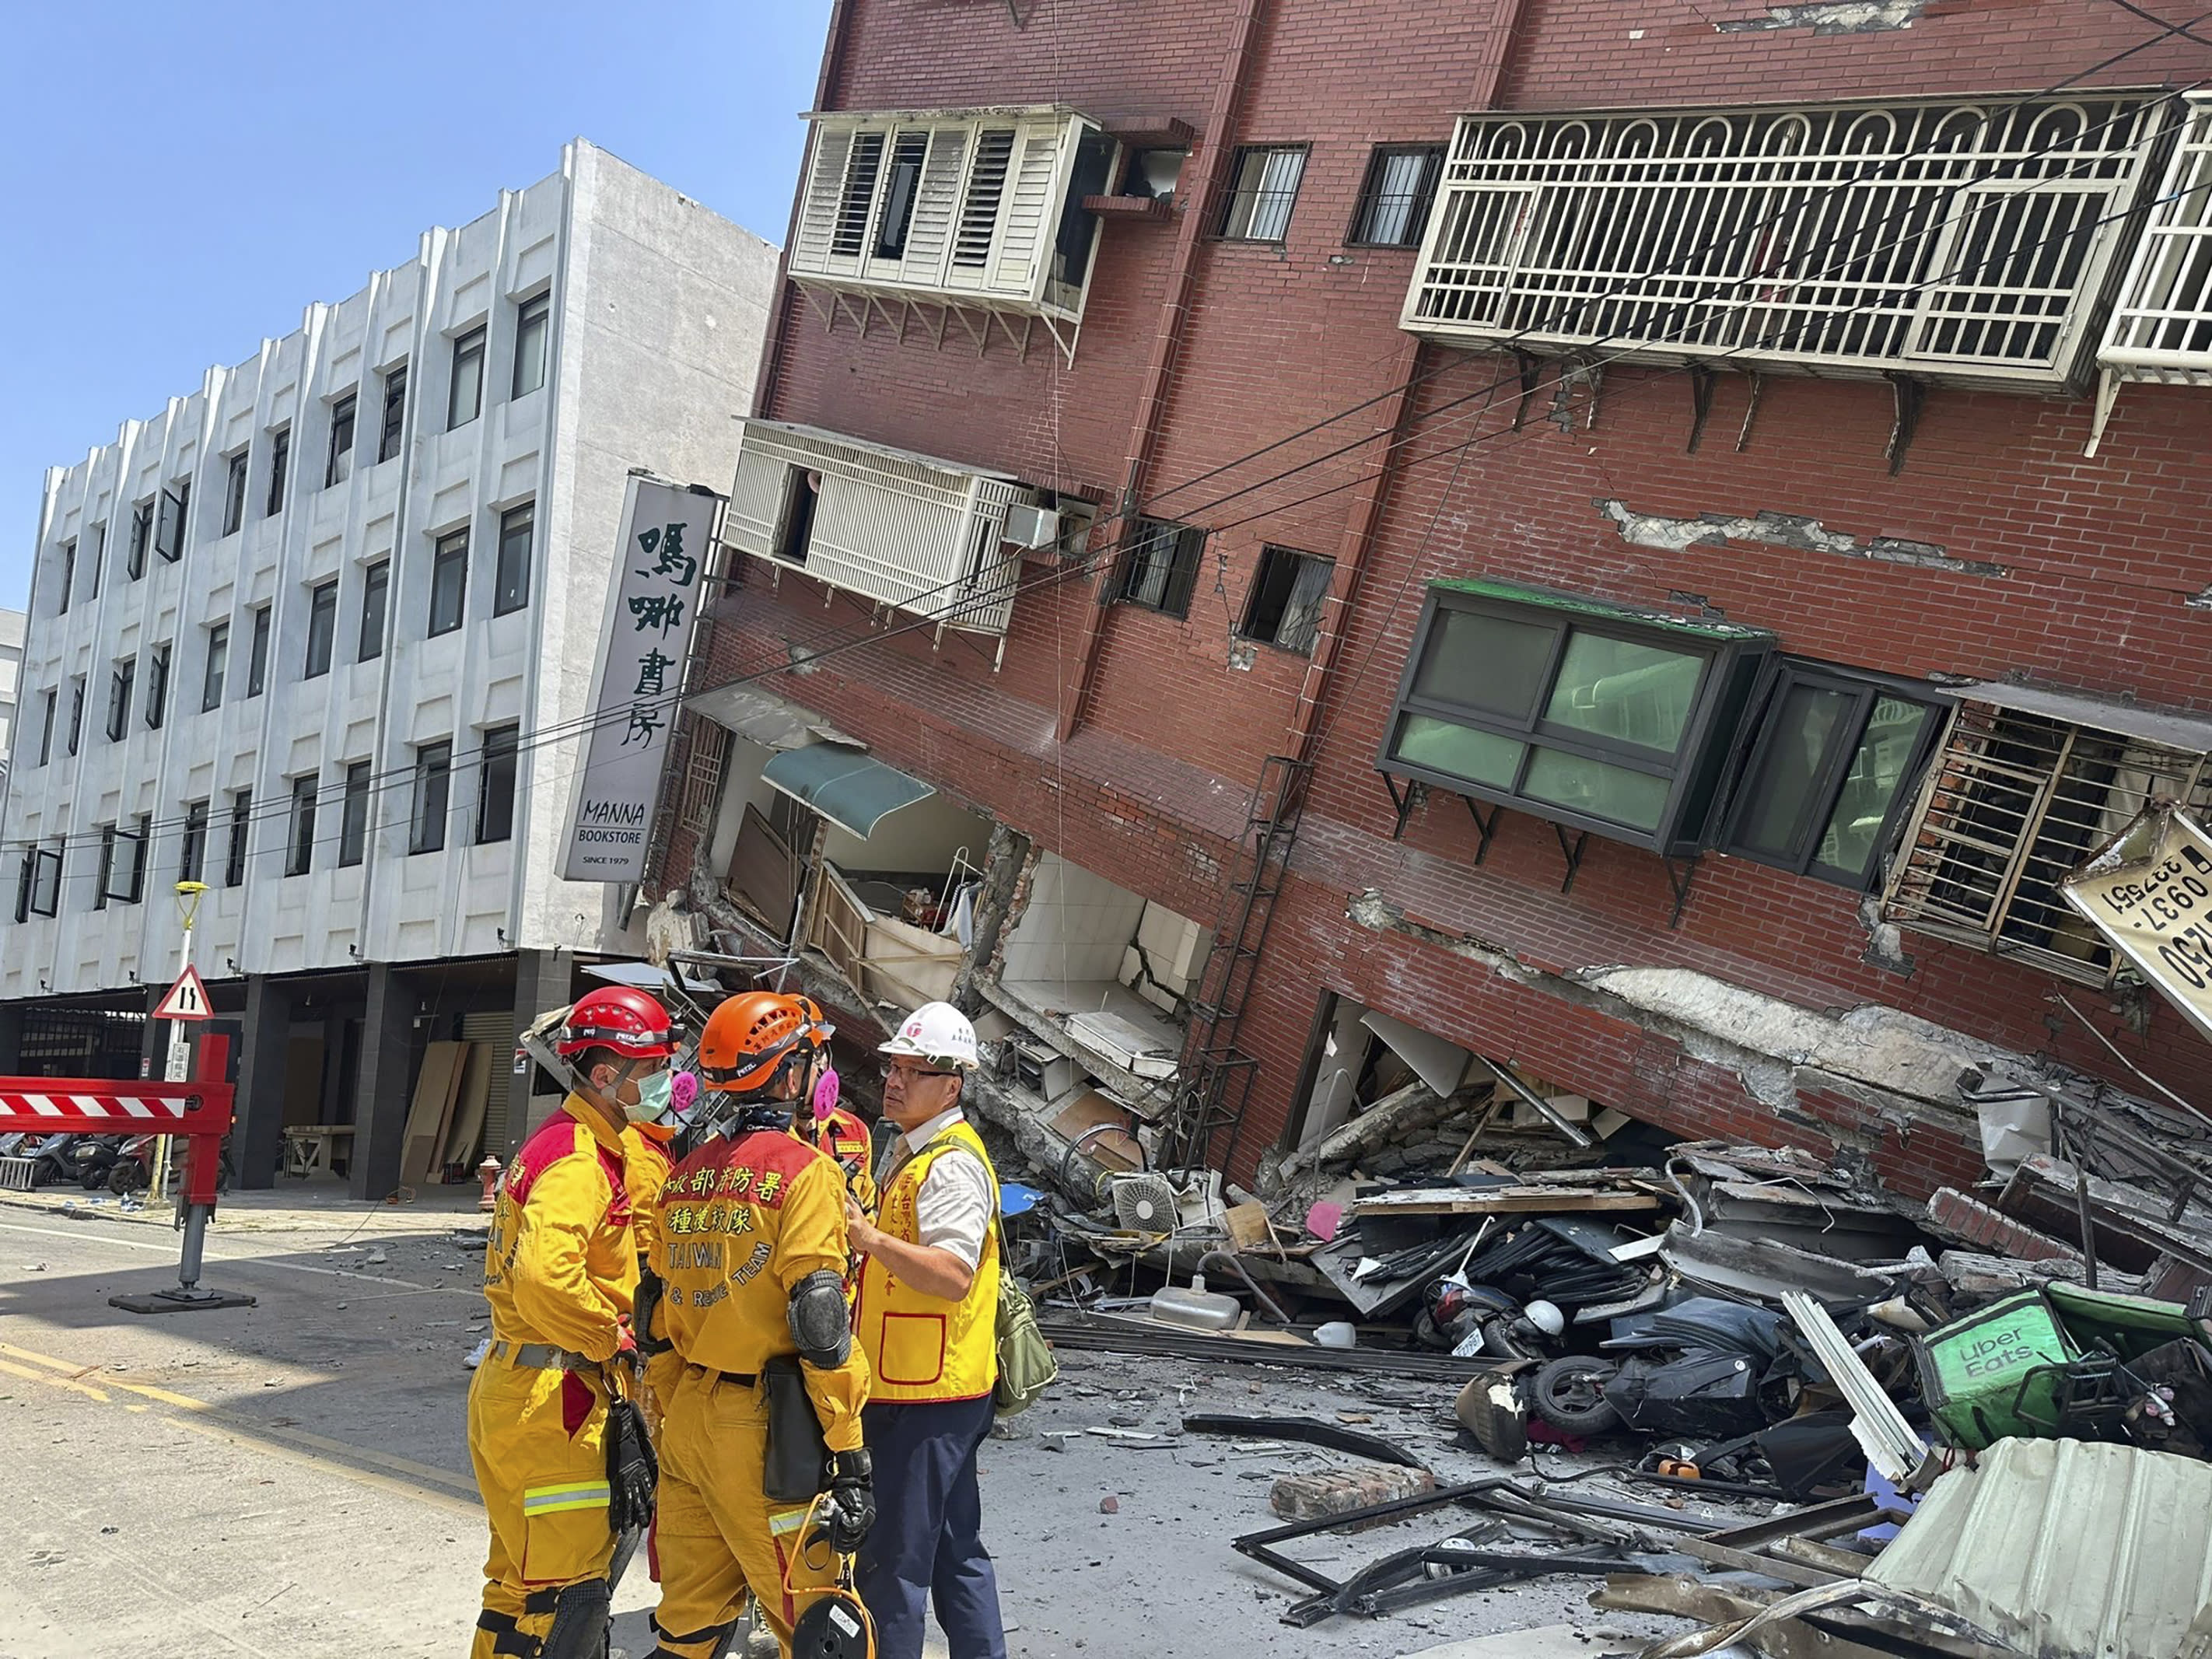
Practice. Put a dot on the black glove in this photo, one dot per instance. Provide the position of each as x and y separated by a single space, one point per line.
851 1507
632 1469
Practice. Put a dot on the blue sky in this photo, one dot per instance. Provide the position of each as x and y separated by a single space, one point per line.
182 179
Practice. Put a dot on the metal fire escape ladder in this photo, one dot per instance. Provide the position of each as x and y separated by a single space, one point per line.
1215 1078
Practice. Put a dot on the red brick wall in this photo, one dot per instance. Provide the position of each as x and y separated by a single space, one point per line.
2093 560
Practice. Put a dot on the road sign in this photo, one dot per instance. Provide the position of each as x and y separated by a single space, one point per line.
187 998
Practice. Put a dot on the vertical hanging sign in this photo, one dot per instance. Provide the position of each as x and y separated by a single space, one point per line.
2148 891
653 602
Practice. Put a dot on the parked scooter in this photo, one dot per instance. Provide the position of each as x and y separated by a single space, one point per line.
133 1166
54 1159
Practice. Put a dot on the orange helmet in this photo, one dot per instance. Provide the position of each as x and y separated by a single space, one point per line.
750 1035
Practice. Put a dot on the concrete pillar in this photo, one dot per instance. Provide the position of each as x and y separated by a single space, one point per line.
257 1139
11 1039
542 979
388 1053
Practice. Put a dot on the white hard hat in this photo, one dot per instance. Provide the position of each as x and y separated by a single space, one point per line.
938 1032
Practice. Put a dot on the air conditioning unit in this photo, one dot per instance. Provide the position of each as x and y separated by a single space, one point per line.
1035 528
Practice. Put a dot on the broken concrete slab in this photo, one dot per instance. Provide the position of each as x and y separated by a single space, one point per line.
1309 1497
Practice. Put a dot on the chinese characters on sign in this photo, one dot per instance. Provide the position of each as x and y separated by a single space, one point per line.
655 599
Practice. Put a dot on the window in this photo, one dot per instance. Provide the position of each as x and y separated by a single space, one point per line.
2026 784
104 873
257 663
1829 774
218 664
120 684
861 163
339 467
375 590
157 687
99 555
141 535
1160 566
1265 189
1396 196
533 325
46 728
353 818
233 492
169 527
908 151
702 774
191 857
300 850
322 626
802 494
1781 237
395 412
241 826
464 397
495 778
127 877
1285 608
69 576
280 456
985 194
1592 716
76 713
511 583
434 777
449 581
38 883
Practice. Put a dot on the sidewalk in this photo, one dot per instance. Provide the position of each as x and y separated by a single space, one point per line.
292 1206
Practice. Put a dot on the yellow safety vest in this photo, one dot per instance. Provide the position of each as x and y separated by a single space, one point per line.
922 1347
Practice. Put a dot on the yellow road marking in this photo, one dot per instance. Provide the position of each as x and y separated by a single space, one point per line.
297 1443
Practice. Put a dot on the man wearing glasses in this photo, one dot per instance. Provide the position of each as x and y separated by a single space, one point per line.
926 1316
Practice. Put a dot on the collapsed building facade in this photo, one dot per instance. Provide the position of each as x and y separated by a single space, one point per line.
1286 553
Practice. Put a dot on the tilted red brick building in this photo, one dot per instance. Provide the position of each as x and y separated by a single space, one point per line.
1777 436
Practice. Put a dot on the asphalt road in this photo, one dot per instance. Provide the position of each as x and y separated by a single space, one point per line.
293 1479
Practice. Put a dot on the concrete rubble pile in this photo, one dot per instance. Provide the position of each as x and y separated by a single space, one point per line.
1831 1419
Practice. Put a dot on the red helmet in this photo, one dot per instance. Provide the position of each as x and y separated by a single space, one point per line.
617 1017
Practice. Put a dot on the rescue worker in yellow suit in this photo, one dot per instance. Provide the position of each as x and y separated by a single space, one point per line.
559 1274
751 1244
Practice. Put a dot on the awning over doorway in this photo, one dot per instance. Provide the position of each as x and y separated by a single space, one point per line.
767 721
852 790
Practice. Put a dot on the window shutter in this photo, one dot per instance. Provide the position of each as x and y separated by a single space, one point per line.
818 220
1028 217
935 206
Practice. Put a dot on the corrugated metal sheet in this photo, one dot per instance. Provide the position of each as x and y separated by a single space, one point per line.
2066 1549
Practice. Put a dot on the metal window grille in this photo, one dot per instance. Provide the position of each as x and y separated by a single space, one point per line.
2013 802
1938 238
703 777
1266 190
2162 329
1396 196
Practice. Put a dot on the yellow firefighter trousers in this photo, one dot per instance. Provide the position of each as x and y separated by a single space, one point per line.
545 1490
715 1533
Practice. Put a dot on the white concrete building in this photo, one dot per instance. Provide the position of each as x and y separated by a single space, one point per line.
13 626
298 635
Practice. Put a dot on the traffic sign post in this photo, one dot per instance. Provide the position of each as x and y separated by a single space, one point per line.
187 1000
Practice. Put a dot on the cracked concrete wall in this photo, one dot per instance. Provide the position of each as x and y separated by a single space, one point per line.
1833 18
1895 1064
1806 535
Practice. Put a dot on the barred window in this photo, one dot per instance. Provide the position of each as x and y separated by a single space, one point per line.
1396 196
703 775
2026 785
1263 190
1160 567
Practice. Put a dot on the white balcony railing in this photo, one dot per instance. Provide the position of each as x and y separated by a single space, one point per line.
2161 327
975 210
1959 241
918 534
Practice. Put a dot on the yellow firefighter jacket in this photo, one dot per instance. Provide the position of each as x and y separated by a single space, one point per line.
562 1264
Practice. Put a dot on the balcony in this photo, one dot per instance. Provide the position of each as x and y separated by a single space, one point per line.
977 214
918 534
1958 242
2161 327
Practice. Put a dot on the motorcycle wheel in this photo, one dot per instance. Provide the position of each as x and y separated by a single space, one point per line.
1569 1394
129 1176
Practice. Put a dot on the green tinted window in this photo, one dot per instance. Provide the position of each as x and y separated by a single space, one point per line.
1481 757
1595 788
1626 690
1489 663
